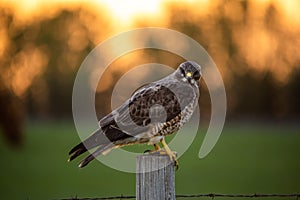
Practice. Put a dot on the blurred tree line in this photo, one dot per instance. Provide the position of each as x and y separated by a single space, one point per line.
256 48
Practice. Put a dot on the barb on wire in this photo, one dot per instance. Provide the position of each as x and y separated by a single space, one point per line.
212 195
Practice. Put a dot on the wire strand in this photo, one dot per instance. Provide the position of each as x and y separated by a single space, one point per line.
211 195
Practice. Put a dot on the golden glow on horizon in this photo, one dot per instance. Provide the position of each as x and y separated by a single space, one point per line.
127 11
257 43
291 11
123 12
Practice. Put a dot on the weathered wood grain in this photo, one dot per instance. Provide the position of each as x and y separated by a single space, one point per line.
155 177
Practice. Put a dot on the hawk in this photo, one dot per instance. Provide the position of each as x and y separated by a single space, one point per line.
154 111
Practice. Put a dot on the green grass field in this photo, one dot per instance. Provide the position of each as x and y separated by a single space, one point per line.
246 159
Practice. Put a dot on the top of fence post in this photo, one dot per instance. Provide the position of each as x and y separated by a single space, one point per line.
155 177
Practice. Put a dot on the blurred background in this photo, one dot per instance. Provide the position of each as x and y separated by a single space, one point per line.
254 43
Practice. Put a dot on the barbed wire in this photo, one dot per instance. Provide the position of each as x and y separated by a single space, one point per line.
103 198
211 195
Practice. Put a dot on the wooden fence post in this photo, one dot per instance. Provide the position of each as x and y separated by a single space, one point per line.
155 177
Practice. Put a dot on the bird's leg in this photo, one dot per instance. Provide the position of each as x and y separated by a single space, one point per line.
171 154
157 148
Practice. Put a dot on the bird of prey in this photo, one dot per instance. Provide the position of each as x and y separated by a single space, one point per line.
154 111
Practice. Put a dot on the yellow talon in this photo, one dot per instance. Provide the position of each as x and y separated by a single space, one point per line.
171 154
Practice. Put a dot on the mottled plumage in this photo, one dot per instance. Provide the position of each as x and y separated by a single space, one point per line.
153 111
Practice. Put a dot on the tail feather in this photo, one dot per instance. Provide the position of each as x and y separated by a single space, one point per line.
77 151
96 139
103 139
97 152
77 148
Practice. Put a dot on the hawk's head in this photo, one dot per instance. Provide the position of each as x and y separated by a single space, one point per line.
189 71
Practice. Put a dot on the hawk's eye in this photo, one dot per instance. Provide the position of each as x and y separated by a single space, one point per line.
196 75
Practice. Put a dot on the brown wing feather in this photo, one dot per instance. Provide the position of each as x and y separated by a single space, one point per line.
133 117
